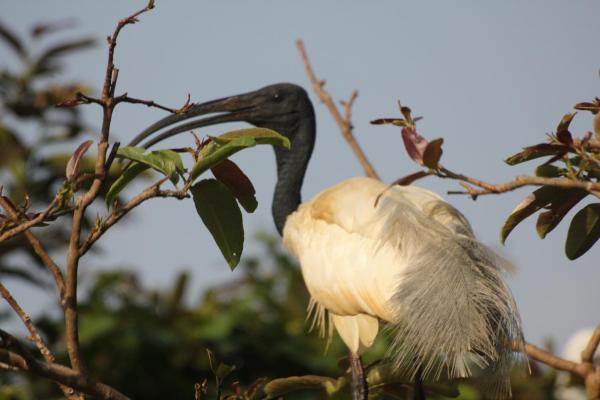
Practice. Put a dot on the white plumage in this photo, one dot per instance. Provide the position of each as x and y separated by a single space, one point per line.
411 261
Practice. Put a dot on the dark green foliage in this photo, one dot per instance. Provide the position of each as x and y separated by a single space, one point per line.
221 215
151 344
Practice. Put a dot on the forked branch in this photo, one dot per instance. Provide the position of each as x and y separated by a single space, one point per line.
343 122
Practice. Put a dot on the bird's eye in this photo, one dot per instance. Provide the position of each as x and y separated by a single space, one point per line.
276 97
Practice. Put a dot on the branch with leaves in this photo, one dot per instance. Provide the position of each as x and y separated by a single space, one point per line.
561 189
217 202
570 173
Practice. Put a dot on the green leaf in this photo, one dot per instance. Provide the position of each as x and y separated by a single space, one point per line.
390 121
584 231
219 211
229 174
549 171
217 153
561 203
433 153
532 203
282 386
537 151
260 135
130 174
223 370
165 161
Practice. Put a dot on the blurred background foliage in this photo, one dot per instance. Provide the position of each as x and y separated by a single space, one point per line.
152 343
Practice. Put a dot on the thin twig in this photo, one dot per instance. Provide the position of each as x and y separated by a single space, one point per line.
124 98
520 181
35 336
587 355
112 43
151 192
61 374
344 123
39 218
553 361
107 99
37 248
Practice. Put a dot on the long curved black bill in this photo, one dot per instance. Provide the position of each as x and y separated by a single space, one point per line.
235 108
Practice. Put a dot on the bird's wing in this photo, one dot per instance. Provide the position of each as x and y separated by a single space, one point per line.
413 261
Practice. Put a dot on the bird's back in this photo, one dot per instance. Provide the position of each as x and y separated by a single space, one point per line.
351 265
405 256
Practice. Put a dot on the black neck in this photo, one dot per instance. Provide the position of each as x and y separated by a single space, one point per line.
291 166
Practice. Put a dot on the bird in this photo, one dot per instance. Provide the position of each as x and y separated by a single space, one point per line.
375 256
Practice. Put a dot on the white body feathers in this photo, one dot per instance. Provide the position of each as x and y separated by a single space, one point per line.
411 261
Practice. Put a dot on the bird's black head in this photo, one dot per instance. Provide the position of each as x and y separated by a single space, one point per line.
282 107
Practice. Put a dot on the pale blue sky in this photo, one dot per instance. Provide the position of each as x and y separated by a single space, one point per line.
488 77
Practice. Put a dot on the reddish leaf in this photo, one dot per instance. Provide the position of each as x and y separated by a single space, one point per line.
597 125
74 102
414 143
72 169
564 123
564 137
408 179
405 113
593 107
228 173
433 153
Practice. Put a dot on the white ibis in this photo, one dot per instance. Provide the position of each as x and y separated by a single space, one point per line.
410 261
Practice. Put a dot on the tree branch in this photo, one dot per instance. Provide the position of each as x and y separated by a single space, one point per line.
35 337
39 218
343 122
124 98
149 193
553 361
108 104
520 181
37 248
587 355
59 373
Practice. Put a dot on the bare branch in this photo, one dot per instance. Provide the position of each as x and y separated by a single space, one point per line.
108 104
112 43
59 373
344 123
518 182
39 218
149 193
587 355
38 248
124 98
35 336
553 361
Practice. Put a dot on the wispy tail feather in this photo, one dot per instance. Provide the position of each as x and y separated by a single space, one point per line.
452 308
